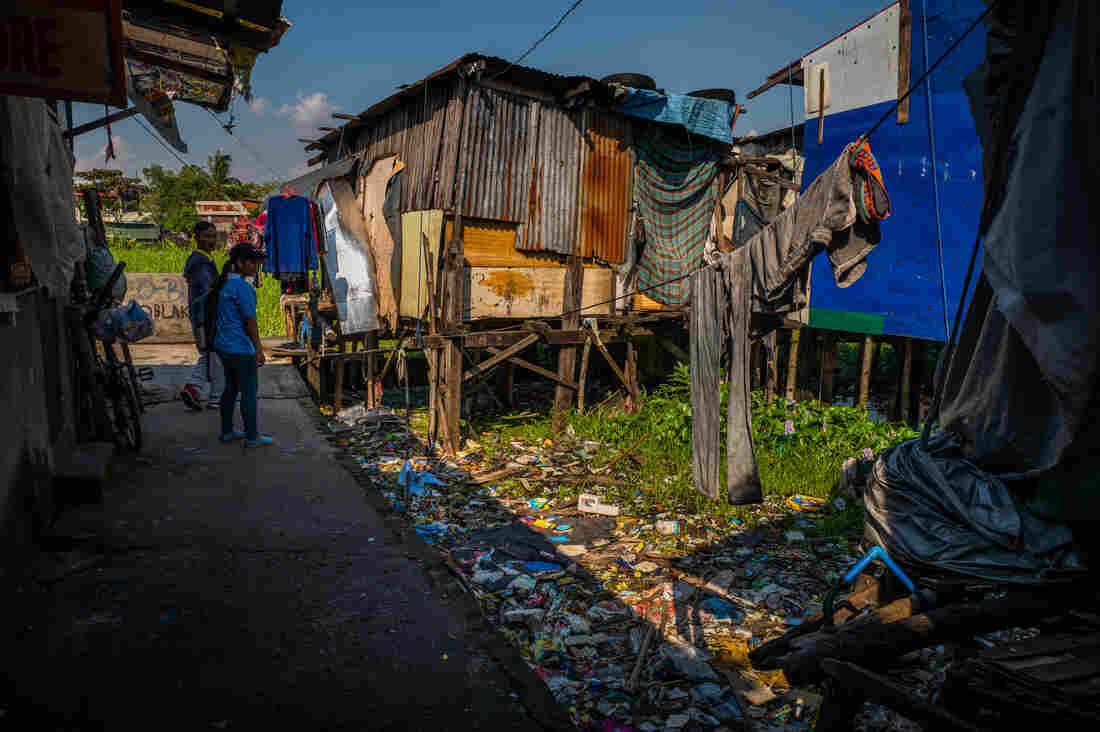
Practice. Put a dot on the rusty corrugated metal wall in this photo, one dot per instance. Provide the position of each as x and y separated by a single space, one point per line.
552 192
525 161
605 186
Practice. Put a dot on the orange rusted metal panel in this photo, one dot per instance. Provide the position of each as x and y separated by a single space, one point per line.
605 189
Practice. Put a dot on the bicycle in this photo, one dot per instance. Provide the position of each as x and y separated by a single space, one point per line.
111 404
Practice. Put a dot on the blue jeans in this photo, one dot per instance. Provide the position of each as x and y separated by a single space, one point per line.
241 377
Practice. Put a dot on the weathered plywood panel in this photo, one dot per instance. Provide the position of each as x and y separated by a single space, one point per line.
164 297
418 227
378 236
530 292
642 302
493 244
862 67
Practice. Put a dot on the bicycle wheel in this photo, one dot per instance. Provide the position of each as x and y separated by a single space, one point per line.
131 372
126 409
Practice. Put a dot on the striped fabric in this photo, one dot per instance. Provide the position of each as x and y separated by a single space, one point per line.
676 189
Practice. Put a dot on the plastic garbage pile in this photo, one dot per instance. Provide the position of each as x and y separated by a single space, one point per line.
635 622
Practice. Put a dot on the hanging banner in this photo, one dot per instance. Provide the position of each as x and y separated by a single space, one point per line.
349 271
62 49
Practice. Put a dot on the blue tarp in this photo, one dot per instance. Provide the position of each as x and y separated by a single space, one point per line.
709 117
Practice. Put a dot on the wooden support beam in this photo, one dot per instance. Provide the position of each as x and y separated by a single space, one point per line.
499 356
101 122
320 158
341 115
516 361
865 369
905 378
894 631
584 375
611 362
328 129
828 366
754 365
792 365
905 46
821 108
567 355
634 403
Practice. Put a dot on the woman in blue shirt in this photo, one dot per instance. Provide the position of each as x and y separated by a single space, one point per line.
237 343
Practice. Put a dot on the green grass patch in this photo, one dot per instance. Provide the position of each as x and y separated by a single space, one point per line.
800 449
165 257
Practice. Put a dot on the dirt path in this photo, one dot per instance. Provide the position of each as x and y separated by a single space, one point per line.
219 588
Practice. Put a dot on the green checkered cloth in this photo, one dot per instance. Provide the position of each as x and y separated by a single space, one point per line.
676 189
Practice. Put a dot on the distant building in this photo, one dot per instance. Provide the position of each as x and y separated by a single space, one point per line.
227 215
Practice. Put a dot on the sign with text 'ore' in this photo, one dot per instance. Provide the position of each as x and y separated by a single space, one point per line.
164 298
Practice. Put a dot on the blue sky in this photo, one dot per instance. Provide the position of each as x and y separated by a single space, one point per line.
339 56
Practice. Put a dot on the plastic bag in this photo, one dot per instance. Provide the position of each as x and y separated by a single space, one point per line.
99 266
129 323
936 510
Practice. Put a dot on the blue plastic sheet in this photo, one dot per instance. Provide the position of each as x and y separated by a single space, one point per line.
709 117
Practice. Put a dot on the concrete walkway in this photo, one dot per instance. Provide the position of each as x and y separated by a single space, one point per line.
223 588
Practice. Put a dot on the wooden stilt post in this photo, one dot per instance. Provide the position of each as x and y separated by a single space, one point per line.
633 401
770 356
792 364
916 381
584 374
374 386
754 363
865 369
506 383
567 355
828 366
450 357
807 361
906 369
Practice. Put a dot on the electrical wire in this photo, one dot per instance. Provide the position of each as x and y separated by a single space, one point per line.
274 176
163 144
545 35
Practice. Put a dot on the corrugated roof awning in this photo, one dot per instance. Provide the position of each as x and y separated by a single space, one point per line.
306 185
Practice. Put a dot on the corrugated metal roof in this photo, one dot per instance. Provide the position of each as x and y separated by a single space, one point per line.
605 186
521 75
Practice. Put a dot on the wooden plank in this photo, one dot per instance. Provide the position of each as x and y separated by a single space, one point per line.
532 292
1041 647
101 122
418 229
865 364
341 115
644 302
883 690
1057 673
499 356
906 381
491 243
316 159
905 50
538 370
821 109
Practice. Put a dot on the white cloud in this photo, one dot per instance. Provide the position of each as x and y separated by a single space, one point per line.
309 112
752 133
258 105
123 154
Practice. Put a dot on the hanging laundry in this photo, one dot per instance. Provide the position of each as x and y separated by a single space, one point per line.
769 275
676 189
290 236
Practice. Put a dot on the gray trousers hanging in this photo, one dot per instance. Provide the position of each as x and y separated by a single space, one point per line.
721 296
743 481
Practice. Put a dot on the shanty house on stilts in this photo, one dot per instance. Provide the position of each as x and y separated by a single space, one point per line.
503 206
